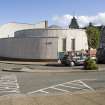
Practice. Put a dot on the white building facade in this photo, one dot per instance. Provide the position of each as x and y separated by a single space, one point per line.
55 39
68 39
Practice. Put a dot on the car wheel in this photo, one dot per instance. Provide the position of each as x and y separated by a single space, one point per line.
72 64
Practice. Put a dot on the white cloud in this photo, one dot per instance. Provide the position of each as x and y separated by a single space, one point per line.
65 20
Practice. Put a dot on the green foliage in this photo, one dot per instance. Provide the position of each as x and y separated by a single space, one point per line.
93 37
90 64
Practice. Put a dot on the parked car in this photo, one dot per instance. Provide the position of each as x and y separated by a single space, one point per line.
79 61
67 61
75 59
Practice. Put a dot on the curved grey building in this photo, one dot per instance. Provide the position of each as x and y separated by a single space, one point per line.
39 48
42 43
68 39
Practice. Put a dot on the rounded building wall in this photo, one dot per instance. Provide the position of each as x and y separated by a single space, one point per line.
32 33
78 34
29 48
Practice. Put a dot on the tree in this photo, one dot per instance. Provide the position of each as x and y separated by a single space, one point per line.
93 37
74 24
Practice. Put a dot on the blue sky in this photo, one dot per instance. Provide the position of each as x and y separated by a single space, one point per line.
33 11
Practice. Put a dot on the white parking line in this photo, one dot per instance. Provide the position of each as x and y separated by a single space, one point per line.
8 84
76 84
59 89
70 86
44 91
87 85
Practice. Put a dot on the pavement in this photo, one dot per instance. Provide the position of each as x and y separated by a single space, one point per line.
25 63
15 66
94 98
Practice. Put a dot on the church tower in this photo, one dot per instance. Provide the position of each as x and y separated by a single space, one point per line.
74 23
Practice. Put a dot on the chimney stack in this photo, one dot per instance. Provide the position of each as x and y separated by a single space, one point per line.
46 24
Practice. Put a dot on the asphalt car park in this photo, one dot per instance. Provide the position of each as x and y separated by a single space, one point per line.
71 87
50 83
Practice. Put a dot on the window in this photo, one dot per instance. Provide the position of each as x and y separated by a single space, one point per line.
64 44
73 44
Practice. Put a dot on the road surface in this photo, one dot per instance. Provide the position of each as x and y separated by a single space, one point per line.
50 83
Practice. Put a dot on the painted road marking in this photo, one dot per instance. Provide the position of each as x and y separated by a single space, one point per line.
87 85
59 89
43 91
8 84
70 86
73 86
